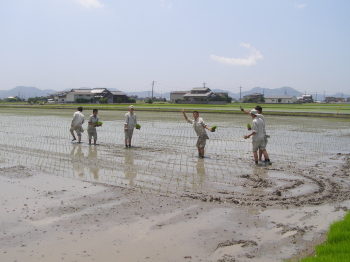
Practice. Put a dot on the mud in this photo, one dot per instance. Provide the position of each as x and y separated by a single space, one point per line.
158 201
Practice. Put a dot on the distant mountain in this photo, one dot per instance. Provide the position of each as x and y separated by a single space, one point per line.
25 92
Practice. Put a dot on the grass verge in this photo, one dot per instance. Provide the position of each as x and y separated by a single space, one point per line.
337 246
312 109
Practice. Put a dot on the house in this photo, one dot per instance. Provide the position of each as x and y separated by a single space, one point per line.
281 99
177 95
255 97
331 99
13 98
199 93
100 93
113 97
59 97
224 94
75 94
305 99
88 95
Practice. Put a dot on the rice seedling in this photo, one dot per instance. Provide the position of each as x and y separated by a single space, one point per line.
213 128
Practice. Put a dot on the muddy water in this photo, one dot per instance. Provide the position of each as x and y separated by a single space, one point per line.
309 155
164 157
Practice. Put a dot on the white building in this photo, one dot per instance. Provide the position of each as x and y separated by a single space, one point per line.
75 94
281 99
177 95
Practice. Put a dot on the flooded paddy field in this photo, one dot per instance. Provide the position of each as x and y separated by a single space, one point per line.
64 201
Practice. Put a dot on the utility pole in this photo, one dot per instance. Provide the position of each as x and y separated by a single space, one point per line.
152 90
240 93
204 84
316 96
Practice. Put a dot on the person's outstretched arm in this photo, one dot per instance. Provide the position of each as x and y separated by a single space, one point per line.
183 112
245 111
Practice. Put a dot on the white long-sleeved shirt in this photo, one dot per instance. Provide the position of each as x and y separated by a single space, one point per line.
263 119
258 129
198 125
130 120
78 118
92 119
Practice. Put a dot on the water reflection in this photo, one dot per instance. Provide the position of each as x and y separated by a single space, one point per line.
92 155
200 167
261 172
129 167
78 168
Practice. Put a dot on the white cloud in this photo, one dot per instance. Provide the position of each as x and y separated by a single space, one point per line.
248 61
300 5
167 5
90 3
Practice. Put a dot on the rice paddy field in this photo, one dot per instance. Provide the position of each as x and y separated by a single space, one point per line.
309 171
315 109
164 157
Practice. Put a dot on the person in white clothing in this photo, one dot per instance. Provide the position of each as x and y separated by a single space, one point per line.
261 116
258 140
76 124
129 125
91 130
199 127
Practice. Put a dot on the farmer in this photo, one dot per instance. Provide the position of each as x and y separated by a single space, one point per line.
258 141
92 123
261 116
76 125
199 127
129 125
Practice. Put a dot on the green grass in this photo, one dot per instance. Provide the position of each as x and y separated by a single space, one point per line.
337 246
312 109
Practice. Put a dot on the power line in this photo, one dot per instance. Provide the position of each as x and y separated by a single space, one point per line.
168 85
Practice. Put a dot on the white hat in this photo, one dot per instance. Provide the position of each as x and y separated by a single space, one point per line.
253 112
131 106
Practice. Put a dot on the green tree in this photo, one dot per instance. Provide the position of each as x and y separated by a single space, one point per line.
103 100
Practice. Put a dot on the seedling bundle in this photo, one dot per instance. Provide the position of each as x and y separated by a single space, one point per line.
213 129
138 126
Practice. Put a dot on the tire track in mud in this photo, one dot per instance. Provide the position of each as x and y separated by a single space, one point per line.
324 187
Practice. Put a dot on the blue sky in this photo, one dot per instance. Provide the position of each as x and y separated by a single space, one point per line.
59 44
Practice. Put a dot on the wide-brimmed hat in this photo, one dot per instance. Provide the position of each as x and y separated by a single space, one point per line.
253 112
